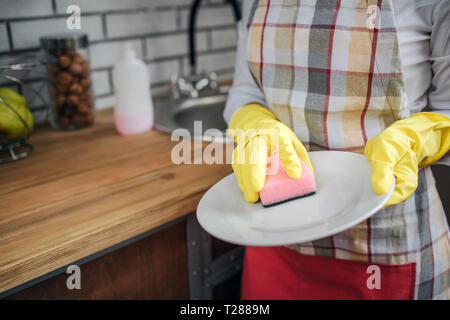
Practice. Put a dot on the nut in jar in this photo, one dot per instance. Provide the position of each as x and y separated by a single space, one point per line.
67 58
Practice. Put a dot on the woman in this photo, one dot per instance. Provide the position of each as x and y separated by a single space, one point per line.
353 75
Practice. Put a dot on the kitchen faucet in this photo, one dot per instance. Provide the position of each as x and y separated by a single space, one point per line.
194 83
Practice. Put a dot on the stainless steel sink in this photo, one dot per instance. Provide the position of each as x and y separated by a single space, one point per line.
171 114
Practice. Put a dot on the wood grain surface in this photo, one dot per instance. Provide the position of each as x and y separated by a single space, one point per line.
154 267
83 191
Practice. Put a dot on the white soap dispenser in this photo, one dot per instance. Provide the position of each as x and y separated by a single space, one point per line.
133 112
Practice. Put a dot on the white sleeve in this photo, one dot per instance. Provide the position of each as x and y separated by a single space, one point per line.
439 93
244 89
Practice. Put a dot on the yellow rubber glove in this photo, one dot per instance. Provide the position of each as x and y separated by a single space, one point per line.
404 147
258 134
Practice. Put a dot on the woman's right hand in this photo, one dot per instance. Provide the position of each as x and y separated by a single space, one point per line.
257 134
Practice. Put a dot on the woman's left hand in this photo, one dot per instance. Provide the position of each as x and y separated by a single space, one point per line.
402 148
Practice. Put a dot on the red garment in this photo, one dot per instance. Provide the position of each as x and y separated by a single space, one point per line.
280 273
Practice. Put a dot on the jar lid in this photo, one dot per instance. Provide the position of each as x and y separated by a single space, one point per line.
64 41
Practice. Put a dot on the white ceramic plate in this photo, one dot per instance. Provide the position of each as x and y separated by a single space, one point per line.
343 199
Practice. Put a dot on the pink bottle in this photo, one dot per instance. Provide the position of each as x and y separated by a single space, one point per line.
133 112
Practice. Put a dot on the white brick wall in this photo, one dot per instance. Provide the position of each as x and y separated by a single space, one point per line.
25 8
156 28
129 24
171 3
25 34
101 84
175 45
100 5
105 102
106 54
210 17
160 72
4 45
223 38
215 61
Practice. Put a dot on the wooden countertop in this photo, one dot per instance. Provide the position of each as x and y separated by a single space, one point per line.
83 191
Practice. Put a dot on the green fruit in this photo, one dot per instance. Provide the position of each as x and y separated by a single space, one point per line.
11 126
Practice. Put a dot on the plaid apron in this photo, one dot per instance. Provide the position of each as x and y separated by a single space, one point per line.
337 82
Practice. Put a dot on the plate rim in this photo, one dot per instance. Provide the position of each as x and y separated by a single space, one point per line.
326 234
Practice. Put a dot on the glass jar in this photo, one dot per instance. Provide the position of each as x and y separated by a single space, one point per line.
71 103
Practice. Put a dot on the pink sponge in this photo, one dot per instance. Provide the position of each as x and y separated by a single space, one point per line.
279 187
